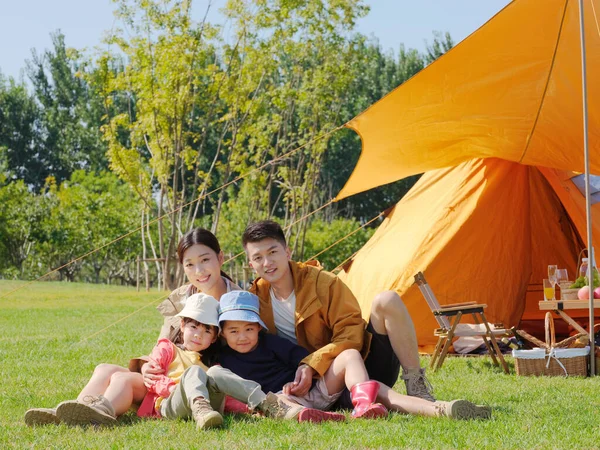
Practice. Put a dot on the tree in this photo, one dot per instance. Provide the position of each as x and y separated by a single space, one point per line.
20 135
88 211
290 82
20 218
159 150
321 234
69 116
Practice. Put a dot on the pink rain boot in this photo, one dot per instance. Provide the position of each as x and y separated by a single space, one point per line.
233 406
363 396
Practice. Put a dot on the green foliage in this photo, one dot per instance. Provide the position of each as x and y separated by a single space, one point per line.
65 330
584 280
321 234
20 135
88 212
20 217
70 114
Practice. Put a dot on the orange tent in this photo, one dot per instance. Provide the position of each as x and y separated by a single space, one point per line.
498 123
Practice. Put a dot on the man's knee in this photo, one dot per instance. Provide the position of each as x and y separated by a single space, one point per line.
387 302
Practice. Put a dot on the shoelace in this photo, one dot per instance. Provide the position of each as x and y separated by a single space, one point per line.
201 407
420 383
92 400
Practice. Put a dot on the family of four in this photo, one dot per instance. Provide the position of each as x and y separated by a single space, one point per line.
295 347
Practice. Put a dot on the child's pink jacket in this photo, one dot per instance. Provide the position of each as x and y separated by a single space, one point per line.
163 354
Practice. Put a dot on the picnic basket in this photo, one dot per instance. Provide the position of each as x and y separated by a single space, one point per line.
550 358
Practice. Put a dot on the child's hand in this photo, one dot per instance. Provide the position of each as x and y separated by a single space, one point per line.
151 371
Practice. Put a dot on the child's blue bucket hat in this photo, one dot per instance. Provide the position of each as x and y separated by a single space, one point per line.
240 305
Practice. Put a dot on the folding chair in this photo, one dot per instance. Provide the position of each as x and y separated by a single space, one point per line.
449 330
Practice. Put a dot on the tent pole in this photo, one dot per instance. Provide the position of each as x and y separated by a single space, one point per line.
588 205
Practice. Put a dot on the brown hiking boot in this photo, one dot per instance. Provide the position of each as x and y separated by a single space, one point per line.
41 416
462 410
91 411
204 415
417 385
276 407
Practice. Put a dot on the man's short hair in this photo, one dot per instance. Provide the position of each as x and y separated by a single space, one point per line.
265 229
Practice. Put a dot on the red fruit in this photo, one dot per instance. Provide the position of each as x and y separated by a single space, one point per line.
584 293
597 292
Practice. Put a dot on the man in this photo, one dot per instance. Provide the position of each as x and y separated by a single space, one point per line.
316 310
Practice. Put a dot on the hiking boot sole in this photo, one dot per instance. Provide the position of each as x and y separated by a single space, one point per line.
464 410
212 420
317 416
41 416
276 407
75 413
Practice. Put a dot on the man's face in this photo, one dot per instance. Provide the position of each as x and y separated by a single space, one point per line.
241 336
269 259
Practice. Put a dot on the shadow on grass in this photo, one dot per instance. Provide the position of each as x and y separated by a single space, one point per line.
131 418
488 365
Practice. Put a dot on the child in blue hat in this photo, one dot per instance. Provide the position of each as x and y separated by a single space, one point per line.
272 361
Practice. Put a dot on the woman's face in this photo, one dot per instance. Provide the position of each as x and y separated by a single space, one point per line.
202 267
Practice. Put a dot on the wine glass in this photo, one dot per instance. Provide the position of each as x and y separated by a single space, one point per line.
552 274
562 278
561 275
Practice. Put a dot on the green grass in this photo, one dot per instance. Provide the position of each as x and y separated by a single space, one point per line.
49 346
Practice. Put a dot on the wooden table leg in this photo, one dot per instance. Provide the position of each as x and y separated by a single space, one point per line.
571 322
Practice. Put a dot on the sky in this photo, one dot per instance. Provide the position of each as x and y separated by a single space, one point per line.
27 24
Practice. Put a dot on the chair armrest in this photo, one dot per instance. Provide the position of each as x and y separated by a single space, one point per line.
452 311
452 305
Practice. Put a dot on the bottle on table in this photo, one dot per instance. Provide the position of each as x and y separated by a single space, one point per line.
583 269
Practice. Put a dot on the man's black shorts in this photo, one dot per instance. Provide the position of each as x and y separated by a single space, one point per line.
382 365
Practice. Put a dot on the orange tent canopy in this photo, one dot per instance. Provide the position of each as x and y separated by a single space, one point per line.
511 90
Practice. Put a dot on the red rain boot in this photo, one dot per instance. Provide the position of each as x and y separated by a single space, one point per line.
233 406
363 396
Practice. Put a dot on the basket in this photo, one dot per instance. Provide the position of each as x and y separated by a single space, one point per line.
558 362
568 294
550 360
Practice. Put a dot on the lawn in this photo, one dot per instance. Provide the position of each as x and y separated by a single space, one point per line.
54 334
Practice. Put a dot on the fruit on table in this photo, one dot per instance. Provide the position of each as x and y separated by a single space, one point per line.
583 281
584 293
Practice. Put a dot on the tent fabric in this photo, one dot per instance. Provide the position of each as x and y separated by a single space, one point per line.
484 231
511 90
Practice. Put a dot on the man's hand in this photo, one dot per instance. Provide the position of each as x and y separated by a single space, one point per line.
287 388
150 371
303 381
